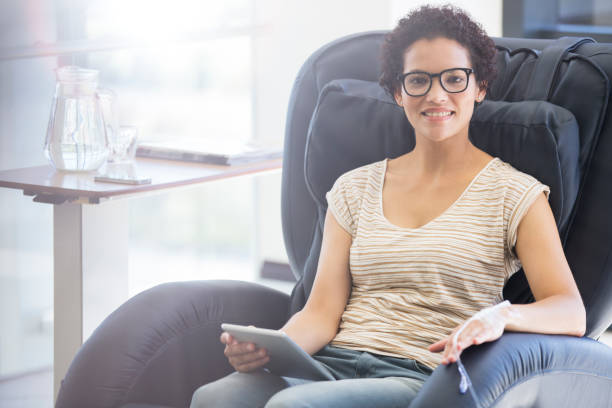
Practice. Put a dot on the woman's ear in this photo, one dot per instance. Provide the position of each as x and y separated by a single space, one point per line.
482 91
398 98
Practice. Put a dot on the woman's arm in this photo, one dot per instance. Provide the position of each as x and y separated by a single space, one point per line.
558 308
317 323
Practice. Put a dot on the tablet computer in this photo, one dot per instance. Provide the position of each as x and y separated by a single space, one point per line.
286 357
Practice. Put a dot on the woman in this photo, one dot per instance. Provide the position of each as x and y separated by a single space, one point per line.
416 250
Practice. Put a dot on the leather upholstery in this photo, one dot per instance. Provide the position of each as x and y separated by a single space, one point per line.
159 346
525 370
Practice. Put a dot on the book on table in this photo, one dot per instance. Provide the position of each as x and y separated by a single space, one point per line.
208 151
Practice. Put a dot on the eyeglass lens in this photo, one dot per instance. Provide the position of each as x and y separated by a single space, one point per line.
419 83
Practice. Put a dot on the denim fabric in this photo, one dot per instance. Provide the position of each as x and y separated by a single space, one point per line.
345 364
363 380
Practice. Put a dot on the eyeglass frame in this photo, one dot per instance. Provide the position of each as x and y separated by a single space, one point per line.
402 79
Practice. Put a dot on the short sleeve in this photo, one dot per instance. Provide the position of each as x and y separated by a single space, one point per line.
339 204
522 191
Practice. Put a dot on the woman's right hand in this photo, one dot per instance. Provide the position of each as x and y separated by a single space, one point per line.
244 357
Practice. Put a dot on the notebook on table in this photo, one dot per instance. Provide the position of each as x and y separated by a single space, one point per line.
208 151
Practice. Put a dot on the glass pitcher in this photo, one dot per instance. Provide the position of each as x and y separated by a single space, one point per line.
76 136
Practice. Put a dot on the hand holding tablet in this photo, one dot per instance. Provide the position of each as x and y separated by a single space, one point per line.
286 357
245 357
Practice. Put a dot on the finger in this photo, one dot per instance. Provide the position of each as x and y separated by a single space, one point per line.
253 365
461 344
452 342
246 359
237 349
447 350
453 348
438 345
467 339
226 338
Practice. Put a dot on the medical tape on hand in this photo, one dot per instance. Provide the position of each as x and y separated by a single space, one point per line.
488 316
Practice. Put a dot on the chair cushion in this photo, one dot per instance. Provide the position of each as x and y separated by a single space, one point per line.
355 123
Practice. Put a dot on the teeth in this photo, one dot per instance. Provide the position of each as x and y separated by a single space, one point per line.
438 113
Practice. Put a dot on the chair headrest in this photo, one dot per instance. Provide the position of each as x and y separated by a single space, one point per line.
355 123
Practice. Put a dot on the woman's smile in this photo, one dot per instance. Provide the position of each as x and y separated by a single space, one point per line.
437 114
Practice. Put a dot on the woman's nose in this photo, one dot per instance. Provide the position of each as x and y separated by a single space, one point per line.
437 93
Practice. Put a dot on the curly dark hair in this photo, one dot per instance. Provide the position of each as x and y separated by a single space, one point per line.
432 22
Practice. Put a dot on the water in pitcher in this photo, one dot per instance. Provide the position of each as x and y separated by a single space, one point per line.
76 135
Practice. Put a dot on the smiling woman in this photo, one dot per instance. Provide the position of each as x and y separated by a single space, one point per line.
416 250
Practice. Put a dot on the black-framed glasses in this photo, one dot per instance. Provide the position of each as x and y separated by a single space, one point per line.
453 80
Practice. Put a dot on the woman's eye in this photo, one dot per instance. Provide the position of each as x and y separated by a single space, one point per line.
417 80
454 79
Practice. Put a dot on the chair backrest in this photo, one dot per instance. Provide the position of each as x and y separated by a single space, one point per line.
549 112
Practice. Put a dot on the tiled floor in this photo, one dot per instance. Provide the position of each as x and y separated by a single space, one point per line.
35 390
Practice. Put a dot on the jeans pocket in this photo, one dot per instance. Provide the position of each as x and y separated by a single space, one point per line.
422 368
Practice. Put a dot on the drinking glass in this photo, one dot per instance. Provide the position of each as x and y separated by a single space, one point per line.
123 144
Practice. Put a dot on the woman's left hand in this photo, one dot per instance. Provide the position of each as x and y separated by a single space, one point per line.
486 325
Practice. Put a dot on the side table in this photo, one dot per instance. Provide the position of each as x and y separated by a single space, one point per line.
90 238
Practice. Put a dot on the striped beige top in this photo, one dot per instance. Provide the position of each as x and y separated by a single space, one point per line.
412 287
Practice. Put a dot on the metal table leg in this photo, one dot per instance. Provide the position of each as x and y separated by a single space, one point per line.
90 249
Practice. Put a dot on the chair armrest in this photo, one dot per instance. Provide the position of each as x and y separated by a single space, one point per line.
525 370
159 346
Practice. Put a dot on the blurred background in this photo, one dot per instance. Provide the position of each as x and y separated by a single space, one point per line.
182 69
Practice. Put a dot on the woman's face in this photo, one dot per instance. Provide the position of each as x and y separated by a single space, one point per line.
439 115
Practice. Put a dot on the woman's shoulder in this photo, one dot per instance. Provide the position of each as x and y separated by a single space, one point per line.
360 176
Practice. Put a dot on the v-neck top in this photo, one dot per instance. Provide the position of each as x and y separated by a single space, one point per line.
413 286
382 183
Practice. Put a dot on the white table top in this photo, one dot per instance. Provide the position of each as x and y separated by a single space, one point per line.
51 186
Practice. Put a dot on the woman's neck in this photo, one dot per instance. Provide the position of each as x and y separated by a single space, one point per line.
439 160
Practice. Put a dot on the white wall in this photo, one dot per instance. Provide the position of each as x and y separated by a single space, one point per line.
295 29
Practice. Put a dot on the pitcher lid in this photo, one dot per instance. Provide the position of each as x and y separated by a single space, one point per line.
73 73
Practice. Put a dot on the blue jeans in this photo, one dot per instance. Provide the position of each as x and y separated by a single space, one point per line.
363 380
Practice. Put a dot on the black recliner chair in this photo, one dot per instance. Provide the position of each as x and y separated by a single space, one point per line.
547 113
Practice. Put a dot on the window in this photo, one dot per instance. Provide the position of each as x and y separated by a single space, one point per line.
589 13
181 69
558 18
